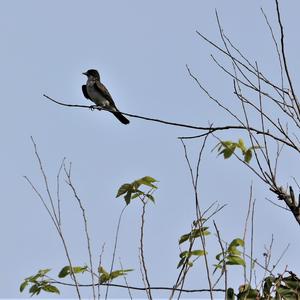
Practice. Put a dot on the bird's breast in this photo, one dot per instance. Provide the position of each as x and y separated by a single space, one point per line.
96 96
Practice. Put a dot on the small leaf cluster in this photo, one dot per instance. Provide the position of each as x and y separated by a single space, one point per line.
105 277
191 237
132 190
39 283
231 256
227 148
283 287
274 288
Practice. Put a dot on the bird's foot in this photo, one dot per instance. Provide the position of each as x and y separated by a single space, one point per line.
92 107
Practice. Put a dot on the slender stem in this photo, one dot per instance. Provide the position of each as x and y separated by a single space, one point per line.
142 251
223 253
88 240
115 246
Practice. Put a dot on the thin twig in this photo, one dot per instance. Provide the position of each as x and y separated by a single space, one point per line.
245 229
142 256
115 246
88 240
125 279
99 266
277 49
267 256
280 257
284 55
252 241
58 191
224 268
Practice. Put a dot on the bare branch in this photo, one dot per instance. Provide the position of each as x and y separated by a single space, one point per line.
284 55
208 129
52 214
152 288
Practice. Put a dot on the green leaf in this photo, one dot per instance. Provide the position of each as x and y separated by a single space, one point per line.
79 269
219 256
34 278
148 181
150 197
230 294
227 144
292 283
44 272
195 233
234 251
248 156
241 145
184 238
35 289
101 270
127 270
190 264
220 267
235 260
198 252
50 289
137 194
244 288
181 262
268 282
124 189
247 293
23 285
65 271
184 254
104 275
287 293
104 278
227 152
127 197
237 242
118 273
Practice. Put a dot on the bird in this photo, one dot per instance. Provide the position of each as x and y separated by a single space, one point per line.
96 91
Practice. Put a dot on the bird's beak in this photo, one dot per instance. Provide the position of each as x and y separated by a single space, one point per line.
84 73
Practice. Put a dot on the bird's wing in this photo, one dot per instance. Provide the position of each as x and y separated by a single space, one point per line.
104 92
85 93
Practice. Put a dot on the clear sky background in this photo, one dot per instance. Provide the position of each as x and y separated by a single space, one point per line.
141 49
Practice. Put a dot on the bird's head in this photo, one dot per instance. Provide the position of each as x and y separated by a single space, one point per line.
93 74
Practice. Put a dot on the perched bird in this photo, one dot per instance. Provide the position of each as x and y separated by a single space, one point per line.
95 91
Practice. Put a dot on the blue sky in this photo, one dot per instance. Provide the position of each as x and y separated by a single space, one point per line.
140 49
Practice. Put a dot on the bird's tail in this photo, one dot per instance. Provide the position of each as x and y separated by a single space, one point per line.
120 117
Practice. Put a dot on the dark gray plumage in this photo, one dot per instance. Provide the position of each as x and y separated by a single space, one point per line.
96 91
